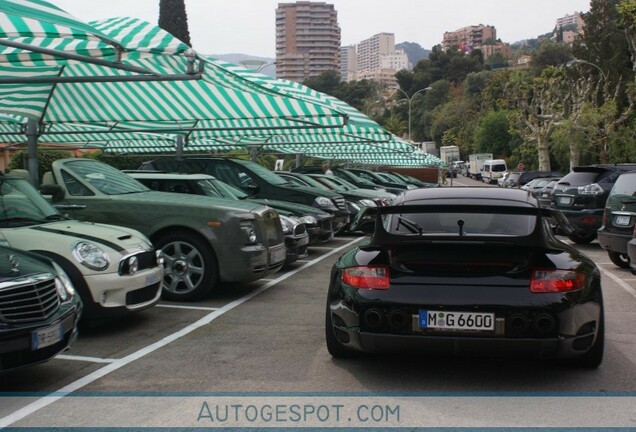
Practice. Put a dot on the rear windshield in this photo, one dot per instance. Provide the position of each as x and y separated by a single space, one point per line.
625 185
580 178
469 224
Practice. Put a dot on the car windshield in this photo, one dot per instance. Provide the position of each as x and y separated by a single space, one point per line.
226 190
461 224
346 185
21 204
103 177
264 173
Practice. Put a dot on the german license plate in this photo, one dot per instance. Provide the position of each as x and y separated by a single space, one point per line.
622 220
47 336
448 320
277 256
565 200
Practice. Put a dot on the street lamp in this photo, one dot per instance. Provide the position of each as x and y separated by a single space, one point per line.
410 99
581 61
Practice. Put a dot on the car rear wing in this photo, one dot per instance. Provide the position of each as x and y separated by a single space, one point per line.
371 221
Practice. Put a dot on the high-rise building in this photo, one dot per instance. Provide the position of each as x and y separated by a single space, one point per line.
307 40
575 20
376 60
348 62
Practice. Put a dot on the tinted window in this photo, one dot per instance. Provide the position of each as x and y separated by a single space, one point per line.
264 173
473 224
580 178
104 178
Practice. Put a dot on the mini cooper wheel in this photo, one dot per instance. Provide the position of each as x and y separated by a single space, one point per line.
621 260
190 269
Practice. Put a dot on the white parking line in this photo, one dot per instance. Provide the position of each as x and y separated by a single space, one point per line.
171 306
619 281
117 364
326 247
85 359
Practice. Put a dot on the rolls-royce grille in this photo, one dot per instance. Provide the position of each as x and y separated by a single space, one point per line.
340 203
272 228
28 299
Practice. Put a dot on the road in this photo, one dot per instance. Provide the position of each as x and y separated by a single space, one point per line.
267 339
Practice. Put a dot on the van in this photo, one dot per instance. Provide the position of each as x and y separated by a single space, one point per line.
493 169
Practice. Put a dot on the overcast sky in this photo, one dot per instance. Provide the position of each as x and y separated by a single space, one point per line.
247 26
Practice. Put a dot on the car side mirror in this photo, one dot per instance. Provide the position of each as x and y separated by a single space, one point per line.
56 192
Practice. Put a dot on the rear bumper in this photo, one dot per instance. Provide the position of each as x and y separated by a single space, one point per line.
613 242
584 221
574 334
249 263
296 247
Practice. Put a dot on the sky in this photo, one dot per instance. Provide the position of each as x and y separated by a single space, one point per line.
248 26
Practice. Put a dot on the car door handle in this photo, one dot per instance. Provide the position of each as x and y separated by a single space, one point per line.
70 206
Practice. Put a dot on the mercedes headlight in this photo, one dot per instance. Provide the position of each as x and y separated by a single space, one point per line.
323 202
63 284
90 255
309 220
367 203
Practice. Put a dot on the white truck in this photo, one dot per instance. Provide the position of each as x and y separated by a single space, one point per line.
449 154
476 164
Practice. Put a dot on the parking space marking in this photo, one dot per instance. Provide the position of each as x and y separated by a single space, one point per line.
84 358
324 247
117 364
302 261
619 281
172 306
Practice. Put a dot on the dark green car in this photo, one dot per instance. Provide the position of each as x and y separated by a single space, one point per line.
203 241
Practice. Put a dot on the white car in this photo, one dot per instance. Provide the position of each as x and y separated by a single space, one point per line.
115 270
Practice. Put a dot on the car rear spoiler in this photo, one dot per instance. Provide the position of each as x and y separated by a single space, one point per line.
380 237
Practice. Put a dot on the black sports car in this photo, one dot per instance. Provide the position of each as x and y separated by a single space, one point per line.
466 270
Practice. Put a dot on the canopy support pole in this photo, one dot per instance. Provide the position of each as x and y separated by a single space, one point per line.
254 154
299 160
32 151
179 147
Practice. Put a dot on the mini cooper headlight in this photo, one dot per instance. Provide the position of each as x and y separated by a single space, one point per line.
249 230
90 255
63 284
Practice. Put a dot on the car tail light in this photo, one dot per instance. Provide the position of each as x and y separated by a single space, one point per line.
367 277
591 189
554 281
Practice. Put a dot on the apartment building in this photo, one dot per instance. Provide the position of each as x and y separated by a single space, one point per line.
469 37
307 40
376 60
348 62
576 19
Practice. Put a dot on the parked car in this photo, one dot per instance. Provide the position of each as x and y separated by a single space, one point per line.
581 197
39 309
391 186
536 185
407 179
115 270
353 202
294 230
545 194
466 270
379 197
203 242
257 182
617 228
518 179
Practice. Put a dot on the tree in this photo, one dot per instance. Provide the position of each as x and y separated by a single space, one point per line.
174 20
492 134
550 54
